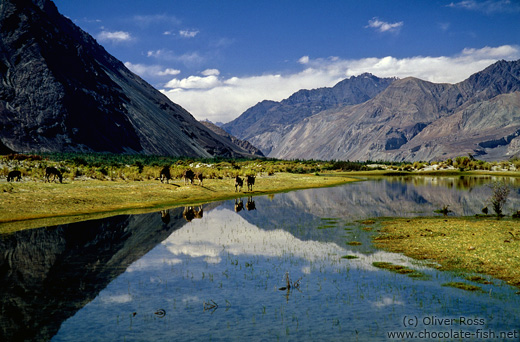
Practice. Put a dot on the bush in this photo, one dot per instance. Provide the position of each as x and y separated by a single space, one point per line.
499 196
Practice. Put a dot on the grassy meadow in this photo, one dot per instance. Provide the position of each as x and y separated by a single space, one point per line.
484 245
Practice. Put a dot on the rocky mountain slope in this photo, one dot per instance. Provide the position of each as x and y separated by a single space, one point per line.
266 123
246 145
61 91
412 119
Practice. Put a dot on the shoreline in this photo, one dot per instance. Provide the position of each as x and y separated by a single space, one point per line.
32 204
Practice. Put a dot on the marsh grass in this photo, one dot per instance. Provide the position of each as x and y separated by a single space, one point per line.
461 244
463 286
400 269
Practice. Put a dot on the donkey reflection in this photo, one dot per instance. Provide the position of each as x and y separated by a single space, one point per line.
250 205
165 216
239 205
191 213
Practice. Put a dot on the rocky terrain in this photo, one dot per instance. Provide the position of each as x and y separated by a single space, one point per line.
246 145
61 91
266 123
410 120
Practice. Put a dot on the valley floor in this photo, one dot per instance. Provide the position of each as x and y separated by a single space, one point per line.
31 204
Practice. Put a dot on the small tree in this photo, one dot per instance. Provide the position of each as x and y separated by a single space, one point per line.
499 196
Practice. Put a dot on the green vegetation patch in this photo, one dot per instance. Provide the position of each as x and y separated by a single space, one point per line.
463 286
349 257
400 269
354 243
482 246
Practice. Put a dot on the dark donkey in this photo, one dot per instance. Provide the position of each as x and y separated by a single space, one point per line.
250 180
165 174
14 175
239 182
52 171
188 176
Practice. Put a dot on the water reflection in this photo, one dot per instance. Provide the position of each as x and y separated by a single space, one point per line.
169 276
191 213
50 273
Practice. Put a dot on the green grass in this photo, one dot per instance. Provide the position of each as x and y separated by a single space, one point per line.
463 286
472 245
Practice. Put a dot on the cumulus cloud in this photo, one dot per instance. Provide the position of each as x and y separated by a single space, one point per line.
211 72
211 96
194 82
116 36
383 26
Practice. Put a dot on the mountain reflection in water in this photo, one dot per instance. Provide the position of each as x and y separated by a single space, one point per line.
147 277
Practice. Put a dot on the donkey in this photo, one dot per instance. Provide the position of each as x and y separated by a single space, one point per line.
200 177
165 174
250 180
52 171
239 182
188 176
14 174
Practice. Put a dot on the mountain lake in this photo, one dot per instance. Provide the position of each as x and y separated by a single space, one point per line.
266 268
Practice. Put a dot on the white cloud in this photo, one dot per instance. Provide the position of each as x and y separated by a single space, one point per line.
211 72
383 26
222 99
151 70
116 36
188 33
304 60
194 82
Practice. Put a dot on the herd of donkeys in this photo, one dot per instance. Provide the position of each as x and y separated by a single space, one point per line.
165 175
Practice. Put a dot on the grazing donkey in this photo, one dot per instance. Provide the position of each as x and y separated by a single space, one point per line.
239 182
52 171
14 174
188 176
200 177
165 174
250 180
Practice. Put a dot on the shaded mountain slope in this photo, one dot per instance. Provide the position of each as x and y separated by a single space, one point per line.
61 91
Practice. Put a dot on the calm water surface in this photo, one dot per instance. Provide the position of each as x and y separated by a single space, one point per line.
218 277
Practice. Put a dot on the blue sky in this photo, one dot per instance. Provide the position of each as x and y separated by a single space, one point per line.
216 58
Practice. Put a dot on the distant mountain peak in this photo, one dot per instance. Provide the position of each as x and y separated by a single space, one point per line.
405 119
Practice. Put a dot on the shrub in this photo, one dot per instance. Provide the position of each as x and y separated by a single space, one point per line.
499 196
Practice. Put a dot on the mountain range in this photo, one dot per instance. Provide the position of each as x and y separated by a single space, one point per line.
371 118
61 91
